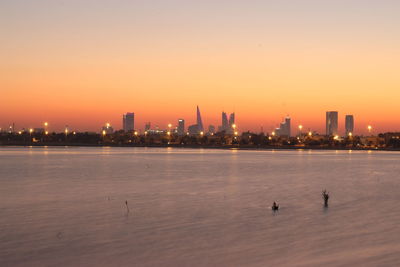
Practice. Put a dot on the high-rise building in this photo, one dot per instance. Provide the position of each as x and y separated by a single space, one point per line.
198 127
227 124
181 127
128 122
193 129
147 126
231 119
199 121
349 124
331 123
284 128
106 129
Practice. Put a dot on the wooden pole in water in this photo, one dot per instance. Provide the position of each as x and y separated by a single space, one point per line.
126 203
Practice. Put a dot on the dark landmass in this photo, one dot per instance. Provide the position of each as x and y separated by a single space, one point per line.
247 140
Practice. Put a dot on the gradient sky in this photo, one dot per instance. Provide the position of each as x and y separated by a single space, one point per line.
84 63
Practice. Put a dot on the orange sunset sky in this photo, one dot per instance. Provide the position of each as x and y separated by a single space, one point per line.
84 63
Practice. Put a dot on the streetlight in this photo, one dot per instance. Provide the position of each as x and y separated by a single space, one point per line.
309 133
273 133
169 128
300 127
30 134
369 128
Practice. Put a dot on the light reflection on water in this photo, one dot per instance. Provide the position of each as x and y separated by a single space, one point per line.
199 207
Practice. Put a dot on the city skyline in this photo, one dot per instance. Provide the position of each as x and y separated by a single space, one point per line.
262 61
333 127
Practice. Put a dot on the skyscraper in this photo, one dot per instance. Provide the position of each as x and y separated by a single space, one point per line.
231 119
147 126
349 124
284 128
331 123
128 122
181 127
225 124
199 121
198 127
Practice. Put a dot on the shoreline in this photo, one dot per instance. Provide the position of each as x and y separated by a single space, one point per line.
230 147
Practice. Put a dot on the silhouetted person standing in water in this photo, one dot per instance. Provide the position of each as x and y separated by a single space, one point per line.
325 196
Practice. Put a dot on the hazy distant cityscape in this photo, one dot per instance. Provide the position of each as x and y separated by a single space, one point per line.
227 134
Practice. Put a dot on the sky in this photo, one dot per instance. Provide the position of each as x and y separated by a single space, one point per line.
85 63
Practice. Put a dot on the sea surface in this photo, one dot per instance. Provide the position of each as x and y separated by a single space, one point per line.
66 206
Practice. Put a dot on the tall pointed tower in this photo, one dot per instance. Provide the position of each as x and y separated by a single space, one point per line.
199 121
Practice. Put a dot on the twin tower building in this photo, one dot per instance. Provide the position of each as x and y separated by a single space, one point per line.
332 124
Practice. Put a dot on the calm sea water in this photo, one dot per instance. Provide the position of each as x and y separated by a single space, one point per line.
194 207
